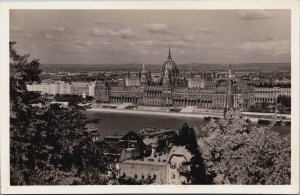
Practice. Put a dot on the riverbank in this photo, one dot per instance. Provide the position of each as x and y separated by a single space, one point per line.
159 113
148 112
254 117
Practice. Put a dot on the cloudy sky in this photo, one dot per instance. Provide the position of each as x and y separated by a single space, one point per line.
128 36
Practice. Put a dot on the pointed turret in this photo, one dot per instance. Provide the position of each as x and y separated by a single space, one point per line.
229 96
149 75
169 56
191 73
144 69
144 77
128 73
172 69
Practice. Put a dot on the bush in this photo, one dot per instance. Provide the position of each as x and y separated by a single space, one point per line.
234 154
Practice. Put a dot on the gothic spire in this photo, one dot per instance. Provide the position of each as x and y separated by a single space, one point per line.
128 73
229 95
144 69
169 57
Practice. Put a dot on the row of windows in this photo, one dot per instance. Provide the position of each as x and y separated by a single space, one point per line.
149 176
265 99
152 102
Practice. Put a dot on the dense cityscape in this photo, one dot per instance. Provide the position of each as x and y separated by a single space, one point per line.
157 155
252 91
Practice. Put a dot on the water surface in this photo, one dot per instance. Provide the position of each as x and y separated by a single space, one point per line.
121 123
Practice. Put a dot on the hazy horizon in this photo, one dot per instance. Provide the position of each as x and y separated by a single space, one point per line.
196 63
157 67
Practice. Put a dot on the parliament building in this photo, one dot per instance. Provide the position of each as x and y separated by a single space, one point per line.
205 90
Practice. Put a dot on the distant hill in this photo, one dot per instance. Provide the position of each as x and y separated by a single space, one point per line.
156 67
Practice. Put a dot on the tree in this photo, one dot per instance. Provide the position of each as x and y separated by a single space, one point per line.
89 98
187 137
71 98
264 106
49 144
197 173
261 107
235 154
284 100
252 108
21 73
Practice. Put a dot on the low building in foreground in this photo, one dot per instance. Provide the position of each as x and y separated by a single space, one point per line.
164 168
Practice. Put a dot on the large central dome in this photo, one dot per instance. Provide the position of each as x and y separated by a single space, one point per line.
170 67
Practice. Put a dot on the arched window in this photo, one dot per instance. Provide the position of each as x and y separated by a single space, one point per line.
173 165
173 176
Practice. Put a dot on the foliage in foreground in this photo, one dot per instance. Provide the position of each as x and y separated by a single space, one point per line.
235 154
197 173
48 145
72 98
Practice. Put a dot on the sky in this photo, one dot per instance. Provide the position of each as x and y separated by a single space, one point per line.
143 36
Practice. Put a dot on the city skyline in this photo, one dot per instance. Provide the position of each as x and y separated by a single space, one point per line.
139 36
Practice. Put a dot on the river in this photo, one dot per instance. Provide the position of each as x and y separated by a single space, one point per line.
121 123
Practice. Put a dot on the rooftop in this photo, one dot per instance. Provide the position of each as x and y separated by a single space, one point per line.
154 131
80 84
92 130
162 158
113 137
180 151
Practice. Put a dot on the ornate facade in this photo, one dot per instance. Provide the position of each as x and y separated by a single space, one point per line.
203 91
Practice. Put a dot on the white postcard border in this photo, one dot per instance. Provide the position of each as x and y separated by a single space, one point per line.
293 5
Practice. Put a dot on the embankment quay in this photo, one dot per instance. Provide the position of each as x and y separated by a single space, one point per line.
183 112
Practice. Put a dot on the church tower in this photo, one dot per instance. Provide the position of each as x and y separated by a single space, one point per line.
127 78
144 77
102 92
191 73
229 96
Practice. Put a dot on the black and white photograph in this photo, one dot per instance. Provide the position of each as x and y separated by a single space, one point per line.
159 97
